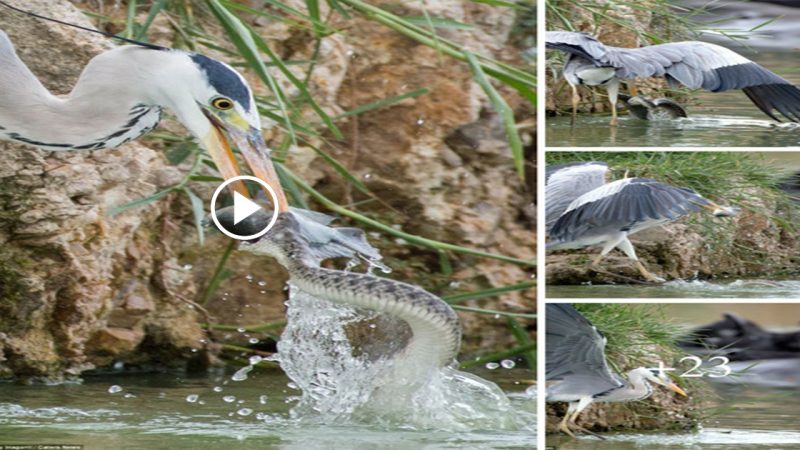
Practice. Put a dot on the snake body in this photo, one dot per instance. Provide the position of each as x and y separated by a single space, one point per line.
435 328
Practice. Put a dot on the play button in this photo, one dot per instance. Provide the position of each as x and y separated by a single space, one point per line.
243 208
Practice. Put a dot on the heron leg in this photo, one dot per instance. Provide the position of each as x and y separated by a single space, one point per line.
613 94
626 246
564 425
575 99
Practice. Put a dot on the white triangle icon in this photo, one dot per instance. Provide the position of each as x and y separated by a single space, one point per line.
243 207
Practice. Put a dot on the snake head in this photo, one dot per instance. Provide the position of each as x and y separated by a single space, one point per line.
252 224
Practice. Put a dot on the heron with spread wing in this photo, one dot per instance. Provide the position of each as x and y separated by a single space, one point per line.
577 371
694 64
583 210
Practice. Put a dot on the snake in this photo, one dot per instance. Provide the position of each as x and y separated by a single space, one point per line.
435 327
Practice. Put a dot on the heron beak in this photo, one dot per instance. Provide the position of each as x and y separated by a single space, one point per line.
251 145
675 388
255 152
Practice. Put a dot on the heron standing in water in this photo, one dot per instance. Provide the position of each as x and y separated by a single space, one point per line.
577 371
694 64
120 96
582 210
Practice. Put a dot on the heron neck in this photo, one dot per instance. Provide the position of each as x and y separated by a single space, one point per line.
637 386
115 88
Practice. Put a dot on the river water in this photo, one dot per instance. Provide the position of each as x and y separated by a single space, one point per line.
726 119
782 289
176 412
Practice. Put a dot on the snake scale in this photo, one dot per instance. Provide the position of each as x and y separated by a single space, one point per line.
435 327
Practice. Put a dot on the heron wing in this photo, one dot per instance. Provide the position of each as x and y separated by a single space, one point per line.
575 351
696 65
624 204
566 182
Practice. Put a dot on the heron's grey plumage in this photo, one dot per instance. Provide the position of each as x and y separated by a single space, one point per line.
694 64
575 355
606 215
628 205
566 182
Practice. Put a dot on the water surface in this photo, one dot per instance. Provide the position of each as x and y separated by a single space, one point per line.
784 289
152 411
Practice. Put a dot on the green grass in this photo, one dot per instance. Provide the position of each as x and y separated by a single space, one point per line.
196 25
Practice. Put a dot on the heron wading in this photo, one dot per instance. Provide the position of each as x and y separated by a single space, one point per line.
694 64
577 371
582 210
120 96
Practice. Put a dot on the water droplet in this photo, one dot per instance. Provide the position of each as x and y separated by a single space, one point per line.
241 330
244 412
241 374
192 398
229 399
507 364
129 395
217 389
119 365
262 283
492 365
187 267
420 121
201 402
262 399
114 389
253 340
255 359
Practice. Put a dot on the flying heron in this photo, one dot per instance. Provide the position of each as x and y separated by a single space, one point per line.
655 110
582 210
120 96
577 371
694 64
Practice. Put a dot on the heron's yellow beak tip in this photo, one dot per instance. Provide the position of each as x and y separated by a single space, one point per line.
678 390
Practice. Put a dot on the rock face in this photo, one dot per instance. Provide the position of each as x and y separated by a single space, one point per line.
80 288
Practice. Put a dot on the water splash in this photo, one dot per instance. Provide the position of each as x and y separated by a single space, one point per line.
343 379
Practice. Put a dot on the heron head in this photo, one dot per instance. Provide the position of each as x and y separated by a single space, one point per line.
660 377
221 112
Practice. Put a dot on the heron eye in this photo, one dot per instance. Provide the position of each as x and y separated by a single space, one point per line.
222 103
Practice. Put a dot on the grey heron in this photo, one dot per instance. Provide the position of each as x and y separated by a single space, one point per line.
577 371
653 110
694 64
120 96
582 210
